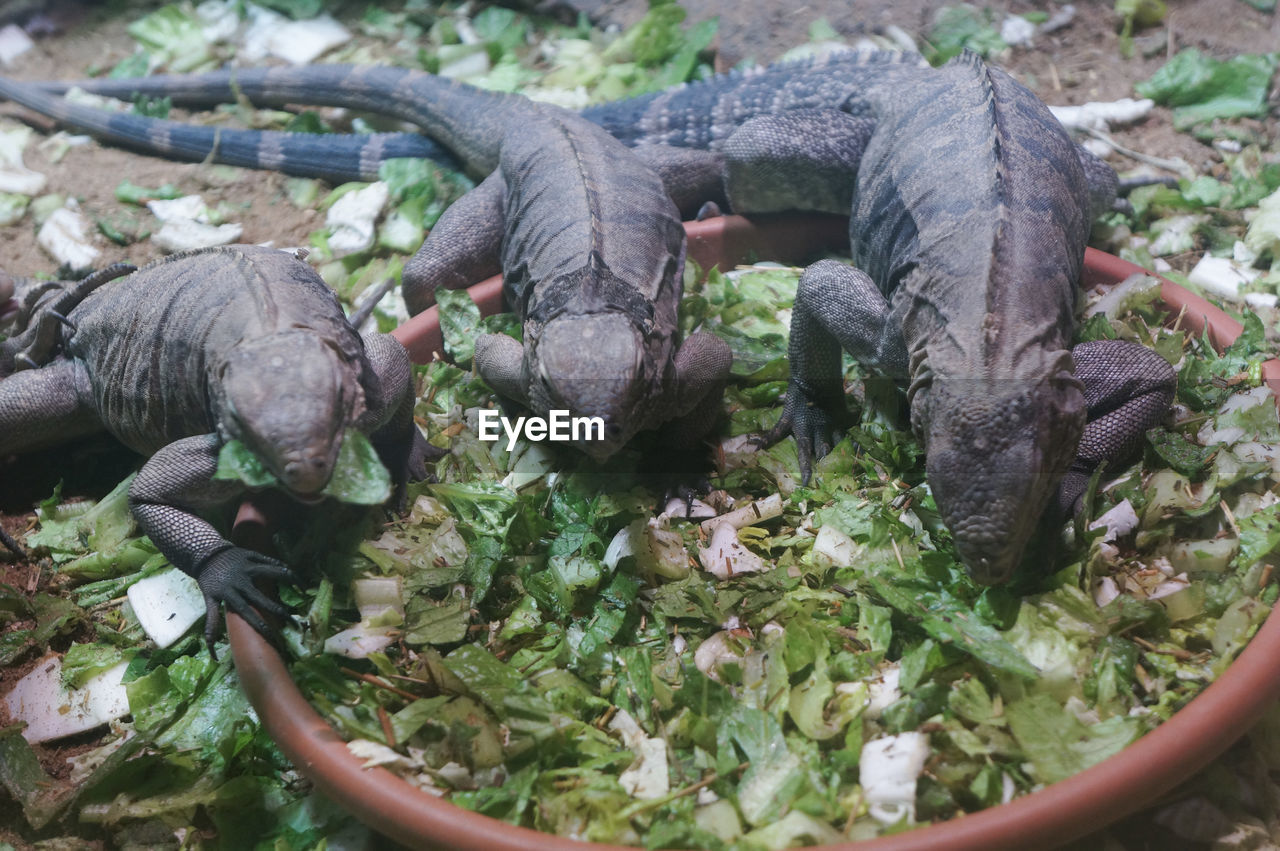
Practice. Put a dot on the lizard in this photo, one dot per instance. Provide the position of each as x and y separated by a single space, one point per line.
587 236
200 348
856 101
963 286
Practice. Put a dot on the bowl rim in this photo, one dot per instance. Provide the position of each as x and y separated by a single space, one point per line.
1049 816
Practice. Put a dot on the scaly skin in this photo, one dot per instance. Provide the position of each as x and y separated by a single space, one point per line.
970 209
964 286
701 115
586 234
239 342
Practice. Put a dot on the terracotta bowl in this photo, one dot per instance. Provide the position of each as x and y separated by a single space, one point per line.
1054 815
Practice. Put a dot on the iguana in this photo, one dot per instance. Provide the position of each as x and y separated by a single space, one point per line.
590 244
969 213
970 210
200 348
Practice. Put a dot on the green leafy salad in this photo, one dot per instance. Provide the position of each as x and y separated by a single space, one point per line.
538 646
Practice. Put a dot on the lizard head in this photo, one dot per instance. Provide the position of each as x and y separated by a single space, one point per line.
289 397
592 366
592 349
995 453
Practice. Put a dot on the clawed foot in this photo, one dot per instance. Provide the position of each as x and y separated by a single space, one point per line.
228 577
415 468
809 423
38 321
12 545
685 488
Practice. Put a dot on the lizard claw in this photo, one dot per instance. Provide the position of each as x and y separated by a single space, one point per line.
809 423
685 489
414 468
228 577
12 545
64 320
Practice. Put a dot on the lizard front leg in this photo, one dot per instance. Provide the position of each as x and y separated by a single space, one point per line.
702 365
463 247
692 178
701 369
1128 389
175 484
499 360
837 307
400 444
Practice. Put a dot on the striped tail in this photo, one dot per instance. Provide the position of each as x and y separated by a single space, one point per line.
336 157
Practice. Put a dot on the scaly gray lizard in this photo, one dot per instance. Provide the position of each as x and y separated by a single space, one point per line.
589 242
233 343
970 211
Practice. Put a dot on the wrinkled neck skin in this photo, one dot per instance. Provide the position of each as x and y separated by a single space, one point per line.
593 348
288 397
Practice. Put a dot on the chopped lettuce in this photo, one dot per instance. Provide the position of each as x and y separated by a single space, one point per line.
1201 88
359 476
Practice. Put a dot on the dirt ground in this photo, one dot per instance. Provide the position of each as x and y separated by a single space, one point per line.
1077 64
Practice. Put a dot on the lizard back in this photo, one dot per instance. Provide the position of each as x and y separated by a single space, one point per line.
981 262
152 341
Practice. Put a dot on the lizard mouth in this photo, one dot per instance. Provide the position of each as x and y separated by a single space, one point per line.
306 477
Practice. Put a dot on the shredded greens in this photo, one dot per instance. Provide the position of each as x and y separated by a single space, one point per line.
359 476
618 691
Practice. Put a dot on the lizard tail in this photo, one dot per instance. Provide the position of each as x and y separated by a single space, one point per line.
334 157
467 120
